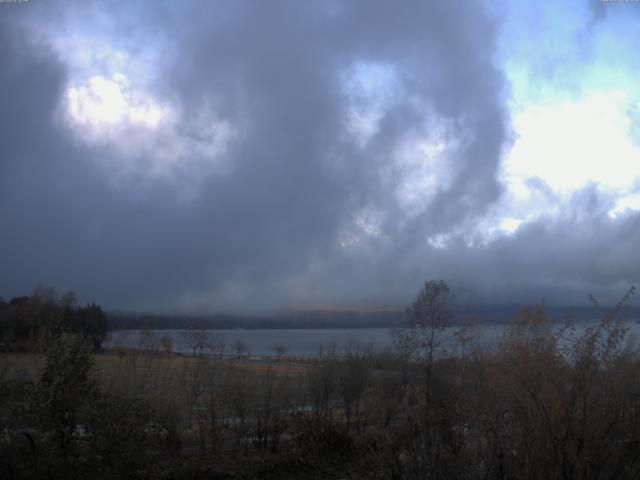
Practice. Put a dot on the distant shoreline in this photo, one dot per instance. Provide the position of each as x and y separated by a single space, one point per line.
314 320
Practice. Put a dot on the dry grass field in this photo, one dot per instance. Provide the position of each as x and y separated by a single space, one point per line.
110 363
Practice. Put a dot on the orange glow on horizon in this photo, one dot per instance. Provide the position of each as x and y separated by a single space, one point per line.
335 309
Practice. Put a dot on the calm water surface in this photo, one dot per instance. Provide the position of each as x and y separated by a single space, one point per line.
308 342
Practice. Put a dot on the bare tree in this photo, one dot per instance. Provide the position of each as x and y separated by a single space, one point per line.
467 336
148 341
240 348
191 380
321 382
196 340
280 349
422 335
274 404
216 344
241 393
167 344
352 381
217 414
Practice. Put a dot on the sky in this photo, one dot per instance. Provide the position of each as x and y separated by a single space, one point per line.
249 156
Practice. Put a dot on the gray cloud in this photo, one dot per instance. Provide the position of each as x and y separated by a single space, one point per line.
264 223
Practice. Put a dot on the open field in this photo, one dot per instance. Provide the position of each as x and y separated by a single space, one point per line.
138 370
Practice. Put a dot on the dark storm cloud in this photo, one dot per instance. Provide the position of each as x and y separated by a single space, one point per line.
265 231
297 180
62 224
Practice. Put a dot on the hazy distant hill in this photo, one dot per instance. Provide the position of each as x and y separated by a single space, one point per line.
338 318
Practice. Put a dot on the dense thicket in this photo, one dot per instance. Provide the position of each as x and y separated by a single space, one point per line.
30 322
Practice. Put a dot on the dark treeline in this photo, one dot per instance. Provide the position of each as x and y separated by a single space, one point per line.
335 319
546 403
306 320
31 322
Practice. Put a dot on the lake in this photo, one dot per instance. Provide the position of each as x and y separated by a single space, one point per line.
305 342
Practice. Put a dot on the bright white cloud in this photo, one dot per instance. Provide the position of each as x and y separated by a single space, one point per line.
560 148
150 137
624 204
510 225
563 142
570 144
109 101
